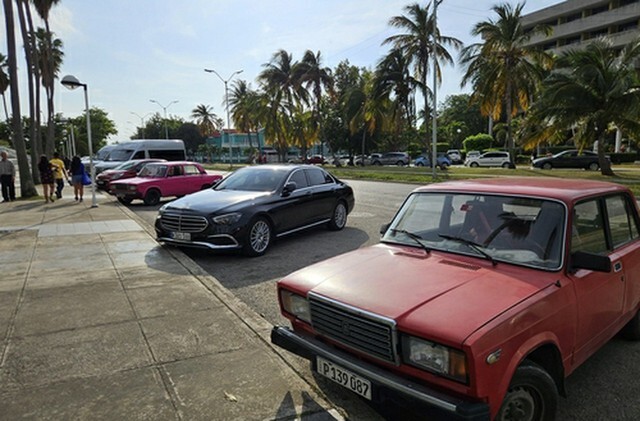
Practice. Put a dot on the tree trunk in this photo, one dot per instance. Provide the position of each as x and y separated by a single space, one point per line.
605 164
27 188
510 143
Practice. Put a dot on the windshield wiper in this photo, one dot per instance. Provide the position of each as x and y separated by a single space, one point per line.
472 244
414 237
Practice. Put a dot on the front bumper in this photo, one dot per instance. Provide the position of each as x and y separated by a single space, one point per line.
384 382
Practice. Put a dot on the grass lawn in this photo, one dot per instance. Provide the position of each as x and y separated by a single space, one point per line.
628 175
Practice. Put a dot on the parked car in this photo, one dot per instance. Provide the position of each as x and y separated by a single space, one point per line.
569 159
169 149
442 161
472 154
125 170
163 179
455 156
489 159
253 206
316 159
391 158
481 298
367 159
341 160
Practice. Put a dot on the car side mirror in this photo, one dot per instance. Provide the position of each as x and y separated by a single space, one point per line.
589 261
289 188
384 228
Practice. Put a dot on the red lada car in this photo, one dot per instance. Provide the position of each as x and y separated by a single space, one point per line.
480 299
128 169
162 179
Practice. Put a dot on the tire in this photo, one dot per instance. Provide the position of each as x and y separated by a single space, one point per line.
377 163
420 164
444 166
474 165
631 331
532 395
258 238
338 217
593 166
152 197
506 165
547 166
124 200
400 164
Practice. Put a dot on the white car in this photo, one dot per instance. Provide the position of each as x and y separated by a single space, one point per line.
454 156
490 159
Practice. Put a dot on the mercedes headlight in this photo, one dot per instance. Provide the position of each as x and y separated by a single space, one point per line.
295 304
434 357
227 219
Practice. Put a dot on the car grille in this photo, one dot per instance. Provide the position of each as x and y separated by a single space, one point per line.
183 223
362 331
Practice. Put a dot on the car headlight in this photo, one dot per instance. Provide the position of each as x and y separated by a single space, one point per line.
295 304
227 219
116 176
132 187
434 357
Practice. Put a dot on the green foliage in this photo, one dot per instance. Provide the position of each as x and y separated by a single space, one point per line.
478 142
101 128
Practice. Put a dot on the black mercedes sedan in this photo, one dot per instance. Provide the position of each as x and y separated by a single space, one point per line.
254 205
569 159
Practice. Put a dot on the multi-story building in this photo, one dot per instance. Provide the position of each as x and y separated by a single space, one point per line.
575 22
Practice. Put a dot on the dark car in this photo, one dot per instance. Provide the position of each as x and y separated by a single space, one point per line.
127 169
253 206
569 159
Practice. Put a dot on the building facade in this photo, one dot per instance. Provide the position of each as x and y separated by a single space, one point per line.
575 22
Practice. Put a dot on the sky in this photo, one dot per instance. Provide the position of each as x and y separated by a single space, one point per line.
129 52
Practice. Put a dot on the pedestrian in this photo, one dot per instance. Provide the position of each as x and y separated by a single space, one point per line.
77 174
59 173
7 178
46 178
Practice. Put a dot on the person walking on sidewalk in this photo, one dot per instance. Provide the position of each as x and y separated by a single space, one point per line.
46 177
77 174
7 178
59 173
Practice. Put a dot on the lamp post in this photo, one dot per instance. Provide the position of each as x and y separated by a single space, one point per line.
72 82
166 130
226 89
142 120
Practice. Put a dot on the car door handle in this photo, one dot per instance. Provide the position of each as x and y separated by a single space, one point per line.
617 266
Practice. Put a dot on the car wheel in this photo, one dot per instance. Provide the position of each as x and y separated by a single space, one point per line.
532 395
420 164
631 330
444 166
474 165
377 163
547 166
124 200
506 165
400 164
152 197
593 166
258 238
339 217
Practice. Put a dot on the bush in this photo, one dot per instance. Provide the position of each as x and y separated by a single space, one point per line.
623 157
478 142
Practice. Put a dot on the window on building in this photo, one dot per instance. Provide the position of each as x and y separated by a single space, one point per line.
599 33
571 18
572 40
599 9
628 2
628 26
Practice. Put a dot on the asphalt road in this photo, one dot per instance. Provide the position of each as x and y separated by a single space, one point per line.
606 387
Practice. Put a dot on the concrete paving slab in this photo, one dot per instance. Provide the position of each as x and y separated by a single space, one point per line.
14 269
135 277
62 251
157 258
172 299
49 358
15 240
11 283
62 308
78 263
65 279
247 381
142 244
128 395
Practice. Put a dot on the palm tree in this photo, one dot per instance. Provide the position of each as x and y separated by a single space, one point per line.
504 71
244 103
50 59
592 91
4 82
417 44
206 119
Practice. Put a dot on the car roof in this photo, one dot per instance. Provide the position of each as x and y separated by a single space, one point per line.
566 190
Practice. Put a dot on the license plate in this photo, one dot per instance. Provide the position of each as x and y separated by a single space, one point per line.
344 377
181 236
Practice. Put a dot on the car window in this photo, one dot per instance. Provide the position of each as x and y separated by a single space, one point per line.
316 177
191 170
153 171
621 222
253 179
299 178
587 231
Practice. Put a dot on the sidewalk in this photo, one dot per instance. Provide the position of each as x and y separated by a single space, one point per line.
99 322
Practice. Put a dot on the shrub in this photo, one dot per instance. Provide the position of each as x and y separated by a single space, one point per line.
478 142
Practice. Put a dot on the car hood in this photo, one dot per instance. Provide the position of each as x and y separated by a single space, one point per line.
447 295
208 201
141 180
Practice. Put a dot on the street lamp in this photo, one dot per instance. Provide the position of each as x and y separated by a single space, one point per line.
166 130
142 120
226 89
72 82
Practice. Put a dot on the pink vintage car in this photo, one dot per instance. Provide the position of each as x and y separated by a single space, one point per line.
164 179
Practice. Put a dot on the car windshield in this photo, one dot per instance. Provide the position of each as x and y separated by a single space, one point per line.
126 165
153 171
253 179
512 229
120 155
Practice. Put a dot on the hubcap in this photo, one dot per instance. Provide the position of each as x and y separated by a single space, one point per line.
340 215
260 236
520 406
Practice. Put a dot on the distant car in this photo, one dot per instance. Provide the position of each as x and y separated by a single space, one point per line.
569 159
253 206
473 154
357 160
455 156
163 179
391 158
341 160
443 162
125 170
316 159
490 159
